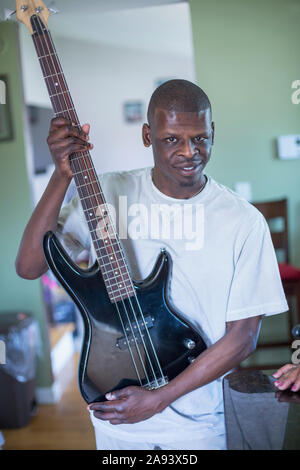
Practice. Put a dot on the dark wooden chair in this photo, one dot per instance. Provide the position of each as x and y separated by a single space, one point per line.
290 275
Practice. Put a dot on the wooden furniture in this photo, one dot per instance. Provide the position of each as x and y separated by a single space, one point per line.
290 275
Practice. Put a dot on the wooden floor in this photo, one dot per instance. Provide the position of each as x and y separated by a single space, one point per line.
64 426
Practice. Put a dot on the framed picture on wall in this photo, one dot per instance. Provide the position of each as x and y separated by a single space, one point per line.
133 111
6 131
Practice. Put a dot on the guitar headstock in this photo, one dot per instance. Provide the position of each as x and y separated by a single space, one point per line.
27 8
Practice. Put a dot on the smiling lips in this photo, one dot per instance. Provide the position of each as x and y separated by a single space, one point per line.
188 169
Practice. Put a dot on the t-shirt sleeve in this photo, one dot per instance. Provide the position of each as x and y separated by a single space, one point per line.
256 287
72 230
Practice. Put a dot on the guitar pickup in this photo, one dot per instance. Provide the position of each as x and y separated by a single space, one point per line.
136 332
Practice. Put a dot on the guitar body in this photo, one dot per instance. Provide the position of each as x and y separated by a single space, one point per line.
106 362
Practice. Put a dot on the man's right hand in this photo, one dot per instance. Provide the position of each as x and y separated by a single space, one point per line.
64 139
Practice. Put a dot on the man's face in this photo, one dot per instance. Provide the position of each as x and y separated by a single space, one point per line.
181 144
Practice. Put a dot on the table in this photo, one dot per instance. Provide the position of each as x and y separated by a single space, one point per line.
257 415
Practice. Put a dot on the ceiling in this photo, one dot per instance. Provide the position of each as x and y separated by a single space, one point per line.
150 25
102 6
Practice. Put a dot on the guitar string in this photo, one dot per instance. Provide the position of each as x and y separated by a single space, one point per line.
120 317
121 275
116 306
107 211
122 251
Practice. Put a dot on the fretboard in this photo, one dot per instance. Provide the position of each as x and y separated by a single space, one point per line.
110 255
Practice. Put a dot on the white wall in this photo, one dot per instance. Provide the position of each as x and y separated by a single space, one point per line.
101 78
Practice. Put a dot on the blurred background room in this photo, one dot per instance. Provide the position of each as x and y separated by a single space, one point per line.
245 55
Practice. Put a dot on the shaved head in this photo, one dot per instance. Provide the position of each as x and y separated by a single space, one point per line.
178 95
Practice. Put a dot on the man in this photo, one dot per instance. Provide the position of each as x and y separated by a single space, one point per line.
223 283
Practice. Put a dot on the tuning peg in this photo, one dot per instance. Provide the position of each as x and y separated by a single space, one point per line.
52 8
8 13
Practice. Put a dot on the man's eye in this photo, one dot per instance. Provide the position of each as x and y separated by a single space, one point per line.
171 139
200 139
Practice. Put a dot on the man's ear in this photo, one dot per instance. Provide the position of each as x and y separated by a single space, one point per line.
213 133
146 134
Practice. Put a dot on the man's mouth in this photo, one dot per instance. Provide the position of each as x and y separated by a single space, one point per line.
188 169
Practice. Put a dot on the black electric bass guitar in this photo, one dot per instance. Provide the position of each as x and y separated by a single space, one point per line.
132 334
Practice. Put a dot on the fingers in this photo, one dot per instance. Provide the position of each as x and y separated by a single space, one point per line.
109 411
117 394
283 370
289 378
66 138
86 128
64 147
67 130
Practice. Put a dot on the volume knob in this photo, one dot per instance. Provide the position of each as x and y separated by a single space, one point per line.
189 343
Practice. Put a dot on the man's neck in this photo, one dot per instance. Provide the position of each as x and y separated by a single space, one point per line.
174 189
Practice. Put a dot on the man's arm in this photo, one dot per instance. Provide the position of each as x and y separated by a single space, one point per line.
133 404
63 140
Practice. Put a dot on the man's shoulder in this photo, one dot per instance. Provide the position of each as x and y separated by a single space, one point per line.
234 205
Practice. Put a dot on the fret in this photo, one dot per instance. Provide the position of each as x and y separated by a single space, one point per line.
97 226
120 284
120 297
108 266
47 55
111 260
120 293
105 237
118 289
89 197
81 157
85 184
108 254
97 230
60 93
91 209
53 75
116 271
99 219
65 111
124 284
102 265
82 171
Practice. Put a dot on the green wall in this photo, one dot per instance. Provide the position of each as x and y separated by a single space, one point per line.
16 205
246 57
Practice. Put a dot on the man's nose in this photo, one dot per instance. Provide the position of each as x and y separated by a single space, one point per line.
187 149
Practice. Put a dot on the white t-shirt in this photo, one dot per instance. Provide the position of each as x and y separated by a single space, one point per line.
224 269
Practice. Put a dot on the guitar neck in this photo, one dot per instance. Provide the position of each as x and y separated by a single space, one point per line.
107 245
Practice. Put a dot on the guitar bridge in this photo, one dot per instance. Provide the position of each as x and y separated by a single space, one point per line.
157 383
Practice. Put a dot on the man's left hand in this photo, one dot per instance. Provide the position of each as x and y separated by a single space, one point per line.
129 405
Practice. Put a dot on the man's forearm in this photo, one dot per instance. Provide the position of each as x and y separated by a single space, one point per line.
225 354
30 261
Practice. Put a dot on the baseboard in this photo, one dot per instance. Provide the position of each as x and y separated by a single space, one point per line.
48 395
